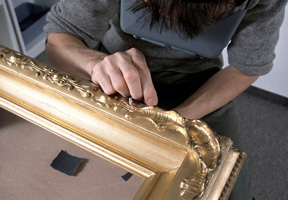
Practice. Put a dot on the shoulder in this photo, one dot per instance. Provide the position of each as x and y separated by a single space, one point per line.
252 47
264 5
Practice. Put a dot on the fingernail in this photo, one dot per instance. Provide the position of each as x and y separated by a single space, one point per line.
151 102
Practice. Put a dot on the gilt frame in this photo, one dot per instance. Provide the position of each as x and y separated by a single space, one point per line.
177 158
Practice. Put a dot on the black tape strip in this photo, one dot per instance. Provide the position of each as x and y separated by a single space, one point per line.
127 176
66 163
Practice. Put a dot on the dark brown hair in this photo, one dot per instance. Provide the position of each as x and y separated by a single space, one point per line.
187 16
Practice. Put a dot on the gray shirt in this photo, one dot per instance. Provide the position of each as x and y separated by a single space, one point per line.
96 22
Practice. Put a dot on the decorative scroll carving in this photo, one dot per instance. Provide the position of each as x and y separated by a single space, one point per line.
54 76
204 141
47 73
195 186
199 137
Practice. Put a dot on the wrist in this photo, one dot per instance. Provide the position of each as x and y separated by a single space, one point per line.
91 61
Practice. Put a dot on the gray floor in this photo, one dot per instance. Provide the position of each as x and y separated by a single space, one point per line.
264 124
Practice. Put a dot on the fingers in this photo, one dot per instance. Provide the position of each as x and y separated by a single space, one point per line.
99 76
130 74
126 73
148 90
108 75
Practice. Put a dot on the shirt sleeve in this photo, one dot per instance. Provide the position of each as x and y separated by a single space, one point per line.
252 47
87 20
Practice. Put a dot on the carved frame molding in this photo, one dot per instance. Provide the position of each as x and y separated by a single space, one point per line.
177 158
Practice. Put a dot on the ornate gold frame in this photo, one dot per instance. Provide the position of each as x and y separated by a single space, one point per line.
177 158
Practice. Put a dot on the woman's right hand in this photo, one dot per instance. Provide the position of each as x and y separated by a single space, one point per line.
126 73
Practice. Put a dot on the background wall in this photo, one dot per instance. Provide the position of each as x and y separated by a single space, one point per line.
277 80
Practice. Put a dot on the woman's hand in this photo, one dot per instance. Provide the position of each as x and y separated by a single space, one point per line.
126 73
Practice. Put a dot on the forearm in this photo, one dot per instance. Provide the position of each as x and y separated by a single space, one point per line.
71 55
215 93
